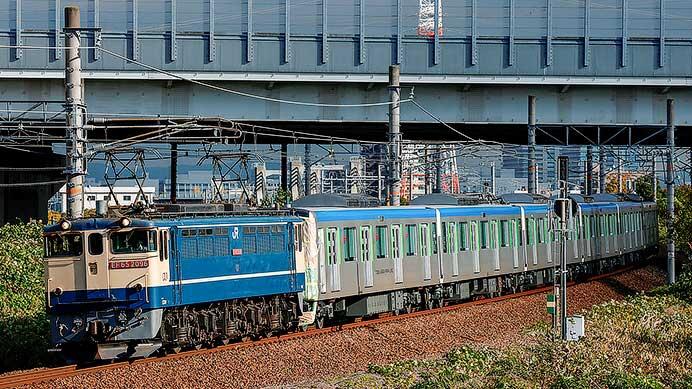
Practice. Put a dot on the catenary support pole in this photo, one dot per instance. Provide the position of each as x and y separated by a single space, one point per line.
619 170
588 190
438 170
601 166
492 177
284 167
427 170
308 162
563 176
174 173
74 105
654 179
532 145
670 188
394 137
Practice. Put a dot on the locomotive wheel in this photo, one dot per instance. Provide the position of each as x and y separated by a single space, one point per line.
409 308
303 328
319 322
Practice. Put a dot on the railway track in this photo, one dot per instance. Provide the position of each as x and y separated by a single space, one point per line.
37 376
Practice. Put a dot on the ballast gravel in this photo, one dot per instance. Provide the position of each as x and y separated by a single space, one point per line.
340 353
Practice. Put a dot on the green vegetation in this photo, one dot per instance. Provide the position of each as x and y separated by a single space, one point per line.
23 323
644 341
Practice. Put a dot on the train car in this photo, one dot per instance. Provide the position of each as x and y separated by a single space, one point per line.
369 261
126 287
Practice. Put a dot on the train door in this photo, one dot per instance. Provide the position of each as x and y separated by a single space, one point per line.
396 253
97 272
366 255
533 240
494 244
333 259
513 241
474 247
425 250
452 244
323 259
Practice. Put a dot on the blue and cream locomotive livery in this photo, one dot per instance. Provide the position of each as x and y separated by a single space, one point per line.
127 287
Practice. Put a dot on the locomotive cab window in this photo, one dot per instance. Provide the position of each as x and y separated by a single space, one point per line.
64 245
134 241
95 244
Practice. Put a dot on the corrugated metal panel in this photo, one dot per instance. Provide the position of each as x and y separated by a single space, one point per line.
493 17
409 17
606 18
644 18
37 14
268 16
192 16
380 18
230 16
343 17
678 19
7 17
531 18
568 18
115 15
153 16
456 18
306 17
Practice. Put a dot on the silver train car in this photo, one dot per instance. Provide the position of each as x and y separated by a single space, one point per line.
367 261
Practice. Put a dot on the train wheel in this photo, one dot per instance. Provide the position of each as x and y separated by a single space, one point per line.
319 322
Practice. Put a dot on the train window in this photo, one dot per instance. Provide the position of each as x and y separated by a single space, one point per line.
444 237
205 231
531 236
134 241
221 231
452 237
95 244
434 238
365 246
541 232
424 238
298 237
349 246
504 233
410 239
463 236
493 234
164 245
65 245
188 232
331 246
381 242
249 230
278 228
484 234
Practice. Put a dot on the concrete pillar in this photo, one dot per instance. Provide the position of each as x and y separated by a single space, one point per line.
296 181
260 182
74 103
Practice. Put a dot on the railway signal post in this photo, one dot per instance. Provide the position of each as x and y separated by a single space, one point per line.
563 213
74 105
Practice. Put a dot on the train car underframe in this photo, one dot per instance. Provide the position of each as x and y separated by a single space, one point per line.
410 300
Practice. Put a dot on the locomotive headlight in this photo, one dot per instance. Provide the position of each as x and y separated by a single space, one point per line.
125 222
57 291
65 225
78 322
137 287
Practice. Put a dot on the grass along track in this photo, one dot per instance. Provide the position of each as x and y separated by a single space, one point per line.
42 375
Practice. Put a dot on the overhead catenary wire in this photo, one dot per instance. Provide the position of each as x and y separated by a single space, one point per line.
25 184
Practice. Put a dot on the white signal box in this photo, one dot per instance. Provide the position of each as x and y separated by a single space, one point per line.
575 327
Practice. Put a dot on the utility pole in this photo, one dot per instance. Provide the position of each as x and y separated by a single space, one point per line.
532 146
438 170
427 170
492 177
588 190
74 105
654 183
394 137
174 173
619 170
670 187
601 170
563 203
284 167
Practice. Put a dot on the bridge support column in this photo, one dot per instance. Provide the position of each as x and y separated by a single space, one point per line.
531 187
